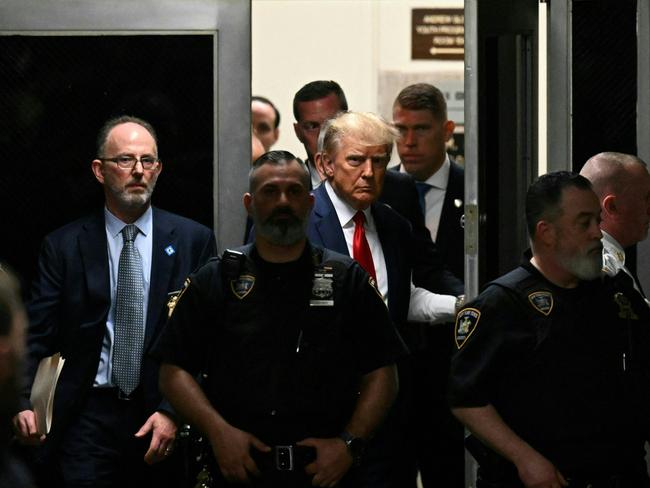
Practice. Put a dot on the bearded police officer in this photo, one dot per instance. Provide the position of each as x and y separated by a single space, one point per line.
552 357
296 341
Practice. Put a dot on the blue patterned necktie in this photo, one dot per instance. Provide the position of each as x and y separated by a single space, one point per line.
129 322
423 189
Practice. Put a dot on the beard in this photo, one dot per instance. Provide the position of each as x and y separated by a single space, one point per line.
130 200
587 266
285 231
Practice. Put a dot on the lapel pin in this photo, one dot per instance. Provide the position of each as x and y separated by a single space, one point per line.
458 203
170 250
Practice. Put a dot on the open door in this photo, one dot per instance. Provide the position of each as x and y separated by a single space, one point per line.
501 45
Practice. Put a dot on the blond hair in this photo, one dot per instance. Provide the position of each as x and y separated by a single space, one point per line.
365 127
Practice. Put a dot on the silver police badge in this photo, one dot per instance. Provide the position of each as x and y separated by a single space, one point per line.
322 291
466 322
542 301
242 286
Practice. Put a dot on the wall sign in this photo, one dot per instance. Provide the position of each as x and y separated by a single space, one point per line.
438 33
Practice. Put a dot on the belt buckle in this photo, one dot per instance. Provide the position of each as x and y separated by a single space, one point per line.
284 458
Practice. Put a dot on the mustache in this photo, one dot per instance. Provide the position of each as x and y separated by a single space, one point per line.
282 212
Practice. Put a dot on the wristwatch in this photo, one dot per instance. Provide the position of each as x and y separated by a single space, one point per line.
356 446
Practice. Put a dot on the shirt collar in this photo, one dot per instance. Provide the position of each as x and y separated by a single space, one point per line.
115 225
440 178
344 211
612 247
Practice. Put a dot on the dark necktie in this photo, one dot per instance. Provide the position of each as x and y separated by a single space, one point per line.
129 322
423 189
360 248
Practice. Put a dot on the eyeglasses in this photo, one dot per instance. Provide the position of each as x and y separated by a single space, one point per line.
128 162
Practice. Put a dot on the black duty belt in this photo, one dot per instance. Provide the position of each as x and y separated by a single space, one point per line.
285 458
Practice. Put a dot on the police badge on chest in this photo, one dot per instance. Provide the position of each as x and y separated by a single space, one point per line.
322 291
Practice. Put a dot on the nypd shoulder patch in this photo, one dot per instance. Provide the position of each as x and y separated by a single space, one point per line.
466 322
542 301
242 286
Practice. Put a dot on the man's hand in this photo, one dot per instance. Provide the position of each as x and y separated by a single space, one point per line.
232 449
163 430
535 471
333 460
24 424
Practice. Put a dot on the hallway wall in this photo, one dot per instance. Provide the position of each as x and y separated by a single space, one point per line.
365 45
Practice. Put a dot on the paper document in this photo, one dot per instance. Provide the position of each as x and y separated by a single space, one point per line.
42 396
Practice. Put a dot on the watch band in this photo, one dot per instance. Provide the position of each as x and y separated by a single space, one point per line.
356 445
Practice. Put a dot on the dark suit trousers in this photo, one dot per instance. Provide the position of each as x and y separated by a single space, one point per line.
436 435
98 449
389 460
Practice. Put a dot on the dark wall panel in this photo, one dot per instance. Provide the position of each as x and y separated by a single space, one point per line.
604 78
507 50
57 91
604 81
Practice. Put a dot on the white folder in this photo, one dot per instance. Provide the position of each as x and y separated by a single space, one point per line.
42 395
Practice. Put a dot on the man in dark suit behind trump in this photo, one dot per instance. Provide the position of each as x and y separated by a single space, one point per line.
348 218
420 115
100 300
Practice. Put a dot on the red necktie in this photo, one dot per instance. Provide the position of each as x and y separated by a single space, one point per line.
360 248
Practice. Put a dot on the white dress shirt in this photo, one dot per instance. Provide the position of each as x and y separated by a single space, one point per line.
424 306
144 244
614 260
435 197
346 213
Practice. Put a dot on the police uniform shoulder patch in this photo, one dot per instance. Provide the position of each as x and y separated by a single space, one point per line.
175 296
242 286
542 301
466 322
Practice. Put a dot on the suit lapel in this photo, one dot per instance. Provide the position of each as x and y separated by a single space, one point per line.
94 256
326 225
390 247
162 266
450 214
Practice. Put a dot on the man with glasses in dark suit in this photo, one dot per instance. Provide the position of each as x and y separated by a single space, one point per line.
100 300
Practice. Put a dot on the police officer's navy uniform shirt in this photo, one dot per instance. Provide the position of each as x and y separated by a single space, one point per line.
278 366
551 361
